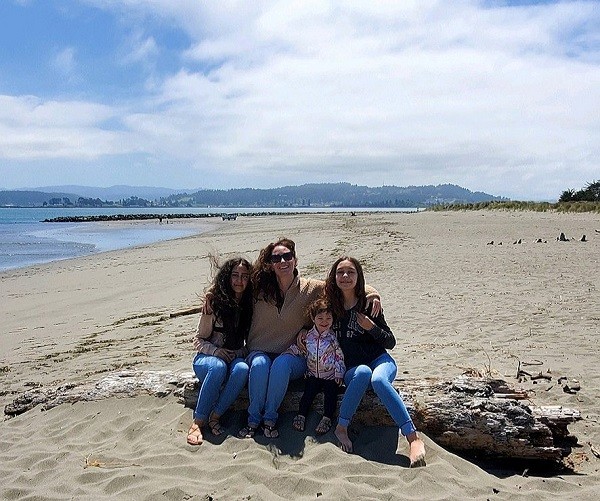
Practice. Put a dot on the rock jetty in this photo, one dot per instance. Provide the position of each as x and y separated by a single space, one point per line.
136 217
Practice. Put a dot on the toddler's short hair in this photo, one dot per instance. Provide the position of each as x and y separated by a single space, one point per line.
319 306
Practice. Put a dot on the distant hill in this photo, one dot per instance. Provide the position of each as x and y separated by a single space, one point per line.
113 193
331 195
26 198
307 195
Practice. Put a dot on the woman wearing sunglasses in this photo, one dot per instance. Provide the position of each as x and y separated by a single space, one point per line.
280 313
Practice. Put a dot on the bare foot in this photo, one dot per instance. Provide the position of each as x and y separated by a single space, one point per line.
417 452
194 435
341 432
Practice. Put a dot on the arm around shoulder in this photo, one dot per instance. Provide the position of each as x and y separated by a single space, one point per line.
382 333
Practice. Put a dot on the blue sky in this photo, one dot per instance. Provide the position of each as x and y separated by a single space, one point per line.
497 96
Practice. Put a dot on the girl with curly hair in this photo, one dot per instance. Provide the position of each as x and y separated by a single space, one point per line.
220 343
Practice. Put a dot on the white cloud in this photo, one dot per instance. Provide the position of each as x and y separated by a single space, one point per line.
31 129
140 49
506 100
64 61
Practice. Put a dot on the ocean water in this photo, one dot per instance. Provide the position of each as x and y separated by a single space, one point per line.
25 240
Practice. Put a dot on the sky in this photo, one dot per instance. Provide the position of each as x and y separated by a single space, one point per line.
493 95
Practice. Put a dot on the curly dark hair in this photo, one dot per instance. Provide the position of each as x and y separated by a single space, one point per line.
236 316
263 277
334 294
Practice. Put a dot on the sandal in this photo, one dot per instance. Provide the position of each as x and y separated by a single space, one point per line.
324 426
194 435
215 427
299 422
271 430
247 431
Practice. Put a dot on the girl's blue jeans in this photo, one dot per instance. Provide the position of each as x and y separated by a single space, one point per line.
213 372
379 374
268 381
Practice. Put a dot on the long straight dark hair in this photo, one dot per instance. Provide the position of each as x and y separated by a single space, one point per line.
334 294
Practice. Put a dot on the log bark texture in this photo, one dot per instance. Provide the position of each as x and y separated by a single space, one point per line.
468 414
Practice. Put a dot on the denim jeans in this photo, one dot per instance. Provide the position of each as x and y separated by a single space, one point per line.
268 382
212 372
379 374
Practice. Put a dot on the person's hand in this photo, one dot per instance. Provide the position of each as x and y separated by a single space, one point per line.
365 322
339 381
226 355
375 303
301 341
207 305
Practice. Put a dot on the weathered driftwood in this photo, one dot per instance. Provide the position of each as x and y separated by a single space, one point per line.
468 414
126 383
189 311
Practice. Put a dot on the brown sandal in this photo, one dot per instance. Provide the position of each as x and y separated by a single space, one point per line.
215 427
270 430
247 431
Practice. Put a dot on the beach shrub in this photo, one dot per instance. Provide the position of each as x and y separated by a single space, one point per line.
591 193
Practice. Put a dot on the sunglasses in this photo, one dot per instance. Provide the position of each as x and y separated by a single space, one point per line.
286 256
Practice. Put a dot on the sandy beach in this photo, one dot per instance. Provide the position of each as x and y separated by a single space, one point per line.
455 301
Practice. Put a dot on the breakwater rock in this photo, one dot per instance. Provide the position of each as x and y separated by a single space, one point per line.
158 217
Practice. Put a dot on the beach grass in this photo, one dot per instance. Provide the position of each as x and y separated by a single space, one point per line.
515 205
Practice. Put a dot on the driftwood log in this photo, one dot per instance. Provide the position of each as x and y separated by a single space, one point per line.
468 414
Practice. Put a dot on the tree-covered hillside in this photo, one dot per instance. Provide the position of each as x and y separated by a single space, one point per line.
307 195
330 194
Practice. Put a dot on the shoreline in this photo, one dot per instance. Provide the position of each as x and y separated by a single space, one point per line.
27 242
35 244
453 301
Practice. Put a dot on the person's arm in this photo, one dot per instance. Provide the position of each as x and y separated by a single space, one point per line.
340 366
373 300
301 341
203 335
207 304
378 329
294 350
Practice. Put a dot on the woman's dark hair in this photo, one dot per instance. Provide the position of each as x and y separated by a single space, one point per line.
236 316
334 294
263 277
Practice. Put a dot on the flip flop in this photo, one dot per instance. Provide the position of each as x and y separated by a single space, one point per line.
247 431
271 430
215 427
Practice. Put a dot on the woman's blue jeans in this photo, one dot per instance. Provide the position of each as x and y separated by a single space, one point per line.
268 381
212 372
379 374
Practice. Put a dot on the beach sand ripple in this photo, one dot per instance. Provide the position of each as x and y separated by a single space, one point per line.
454 302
